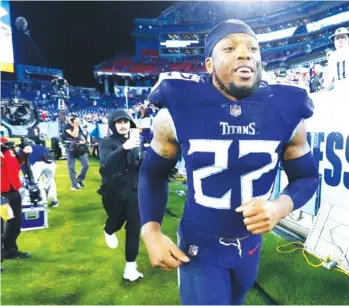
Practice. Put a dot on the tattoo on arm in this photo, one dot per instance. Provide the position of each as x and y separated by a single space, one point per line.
298 146
164 141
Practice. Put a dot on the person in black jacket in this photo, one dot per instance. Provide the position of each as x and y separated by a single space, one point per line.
119 156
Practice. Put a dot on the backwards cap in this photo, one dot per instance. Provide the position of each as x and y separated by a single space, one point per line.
223 29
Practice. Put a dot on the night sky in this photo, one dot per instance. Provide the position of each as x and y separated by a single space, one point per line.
74 36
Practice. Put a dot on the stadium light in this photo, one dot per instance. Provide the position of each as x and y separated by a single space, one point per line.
178 43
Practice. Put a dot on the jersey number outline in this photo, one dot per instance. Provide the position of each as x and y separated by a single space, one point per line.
220 149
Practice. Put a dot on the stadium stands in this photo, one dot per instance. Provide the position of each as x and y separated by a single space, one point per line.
306 37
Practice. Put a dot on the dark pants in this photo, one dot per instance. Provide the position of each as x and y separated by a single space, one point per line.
220 272
12 227
119 212
95 150
83 159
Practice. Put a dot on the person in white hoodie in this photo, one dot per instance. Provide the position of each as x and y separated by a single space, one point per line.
337 76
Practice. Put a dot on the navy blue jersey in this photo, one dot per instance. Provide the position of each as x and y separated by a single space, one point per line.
231 149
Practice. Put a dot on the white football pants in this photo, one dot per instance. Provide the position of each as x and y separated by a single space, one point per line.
44 175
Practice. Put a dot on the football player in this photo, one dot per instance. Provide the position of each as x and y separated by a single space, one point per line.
232 131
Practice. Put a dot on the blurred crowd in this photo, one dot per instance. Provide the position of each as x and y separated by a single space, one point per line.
143 110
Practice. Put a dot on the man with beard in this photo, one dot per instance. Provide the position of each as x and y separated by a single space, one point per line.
232 133
119 167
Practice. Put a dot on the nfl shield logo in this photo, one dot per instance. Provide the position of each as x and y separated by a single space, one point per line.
235 110
193 250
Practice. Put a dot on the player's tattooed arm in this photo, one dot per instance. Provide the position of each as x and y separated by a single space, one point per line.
298 146
164 140
162 251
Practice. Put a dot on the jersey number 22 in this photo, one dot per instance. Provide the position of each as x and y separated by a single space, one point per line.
220 148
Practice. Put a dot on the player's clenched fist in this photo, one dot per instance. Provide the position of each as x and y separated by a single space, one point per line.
261 216
163 253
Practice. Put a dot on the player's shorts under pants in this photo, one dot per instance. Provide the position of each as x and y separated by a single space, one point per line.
220 272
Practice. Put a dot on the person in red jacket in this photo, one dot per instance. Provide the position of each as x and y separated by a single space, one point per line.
10 185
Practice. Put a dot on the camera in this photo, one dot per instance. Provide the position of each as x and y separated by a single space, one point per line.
34 192
25 142
61 82
30 184
17 111
10 145
60 87
72 118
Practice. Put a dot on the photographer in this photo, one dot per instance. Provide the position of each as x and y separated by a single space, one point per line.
10 185
43 166
119 167
76 148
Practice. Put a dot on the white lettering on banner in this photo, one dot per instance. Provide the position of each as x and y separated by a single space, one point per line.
331 155
328 136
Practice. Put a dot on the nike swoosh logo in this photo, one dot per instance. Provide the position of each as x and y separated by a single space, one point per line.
254 250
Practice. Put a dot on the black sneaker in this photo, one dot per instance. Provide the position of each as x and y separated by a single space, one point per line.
81 184
54 204
15 255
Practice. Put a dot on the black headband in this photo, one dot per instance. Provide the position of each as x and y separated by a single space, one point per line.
223 29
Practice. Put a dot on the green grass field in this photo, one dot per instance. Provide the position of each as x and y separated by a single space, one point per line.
71 265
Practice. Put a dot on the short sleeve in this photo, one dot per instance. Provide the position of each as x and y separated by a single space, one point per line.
307 106
156 95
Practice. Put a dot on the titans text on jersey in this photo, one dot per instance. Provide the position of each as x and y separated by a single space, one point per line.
231 149
238 129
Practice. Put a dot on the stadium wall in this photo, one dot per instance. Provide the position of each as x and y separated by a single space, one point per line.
142 44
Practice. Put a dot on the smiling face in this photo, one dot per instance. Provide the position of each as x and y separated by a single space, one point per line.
235 65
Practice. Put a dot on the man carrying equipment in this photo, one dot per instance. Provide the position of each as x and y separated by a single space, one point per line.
232 133
10 162
76 149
